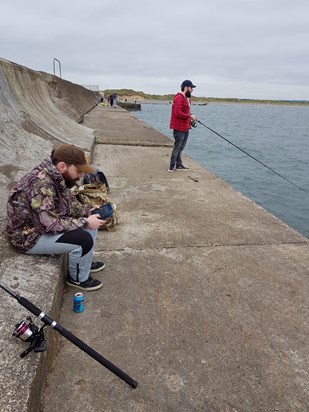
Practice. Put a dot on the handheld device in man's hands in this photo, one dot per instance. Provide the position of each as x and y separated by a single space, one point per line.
106 211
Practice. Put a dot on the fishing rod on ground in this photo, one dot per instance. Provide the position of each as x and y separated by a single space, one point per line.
64 332
252 157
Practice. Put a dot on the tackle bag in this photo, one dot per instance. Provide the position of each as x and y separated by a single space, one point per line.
97 177
96 194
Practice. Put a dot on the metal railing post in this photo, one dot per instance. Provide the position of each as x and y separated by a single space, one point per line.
56 60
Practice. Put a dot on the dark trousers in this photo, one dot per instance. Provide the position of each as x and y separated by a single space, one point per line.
179 145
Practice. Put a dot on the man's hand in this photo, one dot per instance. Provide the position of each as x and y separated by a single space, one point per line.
94 208
193 118
94 221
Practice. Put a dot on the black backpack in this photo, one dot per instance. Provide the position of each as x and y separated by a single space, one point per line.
96 177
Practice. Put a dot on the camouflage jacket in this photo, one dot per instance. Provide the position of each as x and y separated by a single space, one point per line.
40 203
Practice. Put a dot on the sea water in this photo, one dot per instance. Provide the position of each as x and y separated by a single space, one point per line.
276 135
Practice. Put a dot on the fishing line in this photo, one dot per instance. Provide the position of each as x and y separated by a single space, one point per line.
252 157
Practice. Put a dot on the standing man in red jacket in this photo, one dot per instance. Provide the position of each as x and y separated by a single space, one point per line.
180 123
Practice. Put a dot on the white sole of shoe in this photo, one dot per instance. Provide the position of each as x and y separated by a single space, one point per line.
97 270
85 289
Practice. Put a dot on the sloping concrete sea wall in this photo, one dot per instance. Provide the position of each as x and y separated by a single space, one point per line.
37 112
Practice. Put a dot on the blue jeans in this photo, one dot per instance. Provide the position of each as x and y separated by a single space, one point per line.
179 145
79 245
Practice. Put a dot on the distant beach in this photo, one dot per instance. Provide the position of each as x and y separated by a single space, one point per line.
133 96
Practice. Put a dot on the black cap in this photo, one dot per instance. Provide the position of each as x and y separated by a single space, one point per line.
187 83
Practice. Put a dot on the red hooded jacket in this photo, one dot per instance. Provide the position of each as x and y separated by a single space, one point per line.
180 116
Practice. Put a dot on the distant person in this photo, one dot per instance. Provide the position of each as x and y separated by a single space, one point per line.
115 96
111 100
45 218
181 118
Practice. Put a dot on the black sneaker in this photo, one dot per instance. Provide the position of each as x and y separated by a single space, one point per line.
97 266
89 284
182 167
171 168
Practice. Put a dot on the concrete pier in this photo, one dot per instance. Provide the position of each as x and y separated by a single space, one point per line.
205 296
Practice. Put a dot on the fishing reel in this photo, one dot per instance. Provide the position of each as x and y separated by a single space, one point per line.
193 124
27 331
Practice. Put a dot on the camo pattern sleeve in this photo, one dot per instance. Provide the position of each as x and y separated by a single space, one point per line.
40 203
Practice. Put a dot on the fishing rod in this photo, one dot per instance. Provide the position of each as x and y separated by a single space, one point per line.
68 335
252 157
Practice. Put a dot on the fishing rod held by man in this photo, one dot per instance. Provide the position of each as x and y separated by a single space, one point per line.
252 157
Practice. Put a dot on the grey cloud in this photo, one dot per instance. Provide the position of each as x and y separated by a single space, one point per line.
232 46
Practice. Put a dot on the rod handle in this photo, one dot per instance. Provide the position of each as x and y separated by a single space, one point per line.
30 306
95 355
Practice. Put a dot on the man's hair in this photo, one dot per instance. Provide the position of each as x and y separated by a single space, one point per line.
54 161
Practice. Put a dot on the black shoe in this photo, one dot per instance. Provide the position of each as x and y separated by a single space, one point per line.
89 284
97 266
182 167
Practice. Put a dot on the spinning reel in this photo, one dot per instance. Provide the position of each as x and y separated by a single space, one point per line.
27 331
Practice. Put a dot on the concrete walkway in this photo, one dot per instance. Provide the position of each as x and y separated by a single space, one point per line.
205 297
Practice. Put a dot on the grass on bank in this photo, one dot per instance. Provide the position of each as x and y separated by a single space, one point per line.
138 95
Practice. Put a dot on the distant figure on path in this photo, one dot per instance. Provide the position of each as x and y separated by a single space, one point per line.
114 100
181 118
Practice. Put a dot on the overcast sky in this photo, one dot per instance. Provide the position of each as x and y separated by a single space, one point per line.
228 48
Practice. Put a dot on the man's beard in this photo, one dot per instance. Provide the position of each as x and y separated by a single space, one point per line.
188 94
69 182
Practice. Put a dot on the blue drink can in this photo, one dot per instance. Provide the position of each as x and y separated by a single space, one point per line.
78 302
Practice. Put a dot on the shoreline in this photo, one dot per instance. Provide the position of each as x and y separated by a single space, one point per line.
218 102
139 97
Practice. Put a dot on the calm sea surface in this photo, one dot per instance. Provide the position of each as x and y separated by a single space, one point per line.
276 135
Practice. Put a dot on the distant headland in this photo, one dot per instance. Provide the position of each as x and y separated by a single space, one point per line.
141 97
